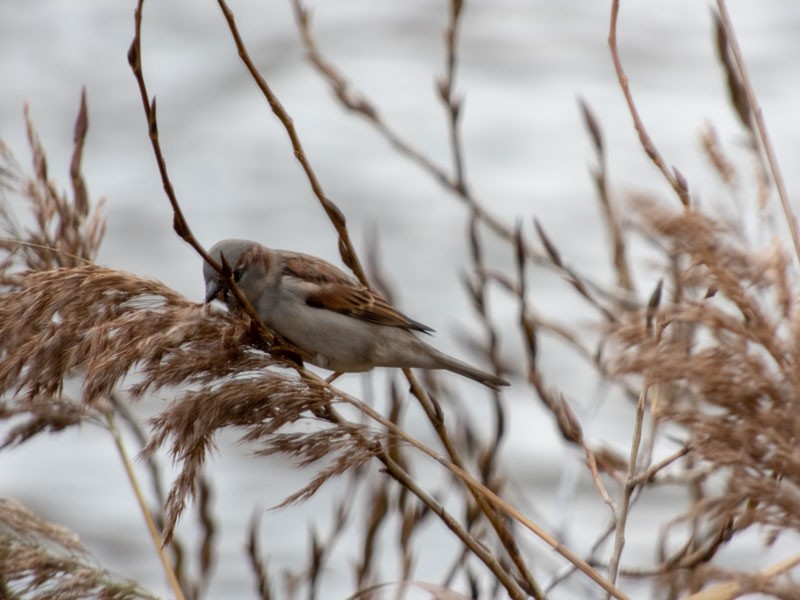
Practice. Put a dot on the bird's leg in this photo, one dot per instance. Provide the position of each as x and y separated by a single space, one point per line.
333 377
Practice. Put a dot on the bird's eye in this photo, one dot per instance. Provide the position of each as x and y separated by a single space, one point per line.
237 274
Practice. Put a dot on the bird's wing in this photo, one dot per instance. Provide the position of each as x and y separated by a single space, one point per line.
361 303
331 289
311 269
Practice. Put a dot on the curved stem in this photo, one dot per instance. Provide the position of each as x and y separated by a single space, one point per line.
155 536
677 183
763 134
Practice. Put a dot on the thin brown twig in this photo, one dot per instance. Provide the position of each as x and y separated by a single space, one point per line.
470 481
558 330
479 292
321 549
356 102
630 485
600 178
763 134
729 590
452 104
135 60
577 282
179 222
434 413
568 424
653 470
405 479
260 569
155 536
335 215
673 177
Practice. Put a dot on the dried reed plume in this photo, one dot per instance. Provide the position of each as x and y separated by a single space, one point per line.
720 359
708 359
100 324
43 561
65 231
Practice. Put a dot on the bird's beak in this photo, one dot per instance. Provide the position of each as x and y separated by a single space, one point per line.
213 288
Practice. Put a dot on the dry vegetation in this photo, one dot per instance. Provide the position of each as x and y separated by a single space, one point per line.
708 358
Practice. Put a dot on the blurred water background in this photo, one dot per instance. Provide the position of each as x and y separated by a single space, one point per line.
522 65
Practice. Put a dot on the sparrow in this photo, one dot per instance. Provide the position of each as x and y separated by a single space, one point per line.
338 323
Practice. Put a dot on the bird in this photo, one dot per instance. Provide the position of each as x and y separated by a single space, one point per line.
338 323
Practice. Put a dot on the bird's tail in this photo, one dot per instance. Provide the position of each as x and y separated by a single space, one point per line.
461 368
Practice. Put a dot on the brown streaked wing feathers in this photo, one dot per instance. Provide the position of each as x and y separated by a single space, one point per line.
362 304
340 293
311 268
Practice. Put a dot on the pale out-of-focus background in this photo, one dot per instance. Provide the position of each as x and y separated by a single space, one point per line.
522 66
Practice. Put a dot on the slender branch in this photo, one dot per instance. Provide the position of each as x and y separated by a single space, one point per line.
357 102
653 470
155 536
558 330
453 107
179 222
334 214
404 478
645 477
434 414
673 177
568 424
600 177
447 94
573 277
135 60
733 589
470 481
763 134
631 483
